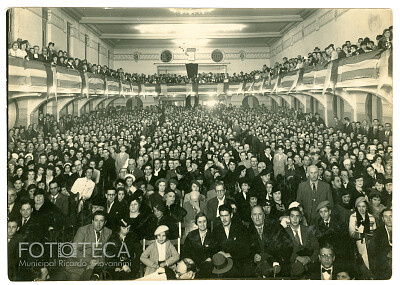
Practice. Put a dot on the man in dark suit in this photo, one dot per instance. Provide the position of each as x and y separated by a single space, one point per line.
305 249
58 199
78 174
149 178
113 209
270 245
199 246
384 246
373 132
108 170
311 193
13 245
259 184
325 269
232 239
268 157
386 134
27 223
13 207
90 239
211 208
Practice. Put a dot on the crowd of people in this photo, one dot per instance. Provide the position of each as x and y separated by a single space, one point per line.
21 48
220 192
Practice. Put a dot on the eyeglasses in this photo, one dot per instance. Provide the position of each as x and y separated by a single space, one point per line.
326 255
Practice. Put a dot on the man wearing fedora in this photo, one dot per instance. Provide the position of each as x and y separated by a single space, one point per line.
223 267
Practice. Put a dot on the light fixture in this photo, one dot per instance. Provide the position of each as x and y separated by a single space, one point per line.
188 30
191 42
191 11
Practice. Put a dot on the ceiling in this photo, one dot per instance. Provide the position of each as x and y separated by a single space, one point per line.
161 27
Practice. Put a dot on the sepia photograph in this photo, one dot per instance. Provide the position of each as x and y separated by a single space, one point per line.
199 143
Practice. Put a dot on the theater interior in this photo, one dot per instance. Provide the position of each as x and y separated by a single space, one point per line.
107 102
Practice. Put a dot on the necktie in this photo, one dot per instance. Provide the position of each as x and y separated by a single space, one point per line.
314 189
296 236
97 236
327 224
53 200
23 221
260 232
202 239
329 271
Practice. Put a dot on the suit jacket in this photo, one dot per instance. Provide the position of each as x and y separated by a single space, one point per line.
29 231
152 181
192 248
13 258
113 215
237 244
385 137
120 161
259 187
315 272
62 203
15 212
309 247
268 161
243 206
86 234
305 197
383 252
212 206
150 256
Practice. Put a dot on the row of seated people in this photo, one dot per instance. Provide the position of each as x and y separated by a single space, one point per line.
268 247
22 49
146 211
133 150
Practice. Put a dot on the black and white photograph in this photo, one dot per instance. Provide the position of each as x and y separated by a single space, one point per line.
198 143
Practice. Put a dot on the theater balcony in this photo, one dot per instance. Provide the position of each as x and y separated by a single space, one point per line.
347 87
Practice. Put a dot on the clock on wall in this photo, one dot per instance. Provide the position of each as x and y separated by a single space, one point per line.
166 56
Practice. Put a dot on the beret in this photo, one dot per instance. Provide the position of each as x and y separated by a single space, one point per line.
359 200
323 204
161 229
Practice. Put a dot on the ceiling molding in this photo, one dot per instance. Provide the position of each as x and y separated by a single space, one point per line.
205 36
191 20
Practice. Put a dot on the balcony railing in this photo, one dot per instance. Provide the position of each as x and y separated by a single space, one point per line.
366 70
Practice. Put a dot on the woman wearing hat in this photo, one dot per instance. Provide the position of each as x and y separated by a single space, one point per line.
158 218
361 228
123 253
160 253
173 207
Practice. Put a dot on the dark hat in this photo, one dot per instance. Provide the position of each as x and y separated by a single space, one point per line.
221 263
241 168
374 192
194 182
297 269
357 175
39 192
253 193
264 269
389 180
244 180
323 204
344 191
265 172
181 170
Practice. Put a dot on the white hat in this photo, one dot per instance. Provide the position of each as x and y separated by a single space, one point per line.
161 229
294 204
